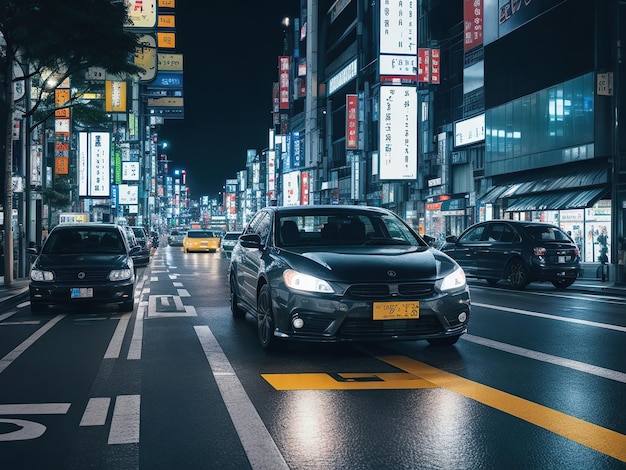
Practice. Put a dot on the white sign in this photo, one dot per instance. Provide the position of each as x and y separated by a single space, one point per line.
398 133
130 171
469 131
128 194
398 27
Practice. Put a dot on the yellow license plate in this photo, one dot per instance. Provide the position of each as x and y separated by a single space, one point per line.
396 310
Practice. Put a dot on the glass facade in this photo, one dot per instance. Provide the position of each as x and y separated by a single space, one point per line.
548 127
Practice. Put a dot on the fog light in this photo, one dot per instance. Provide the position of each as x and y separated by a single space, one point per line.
297 323
462 317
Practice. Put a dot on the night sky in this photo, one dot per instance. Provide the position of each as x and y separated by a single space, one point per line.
231 54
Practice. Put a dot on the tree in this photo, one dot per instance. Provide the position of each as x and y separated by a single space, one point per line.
44 39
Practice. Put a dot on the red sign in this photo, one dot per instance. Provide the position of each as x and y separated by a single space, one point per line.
435 63
423 65
473 20
283 81
304 188
351 121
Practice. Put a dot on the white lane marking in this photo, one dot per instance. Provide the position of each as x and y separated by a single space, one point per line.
27 430
164 300
134 351
35 409
256 440
12 355
177 284
154 278
606 326
125 422
115 345
27 322
591 297
556 360
183 293
96 412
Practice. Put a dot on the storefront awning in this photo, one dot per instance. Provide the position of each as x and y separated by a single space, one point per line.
587 178
558 200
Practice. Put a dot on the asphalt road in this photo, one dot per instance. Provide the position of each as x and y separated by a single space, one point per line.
538 382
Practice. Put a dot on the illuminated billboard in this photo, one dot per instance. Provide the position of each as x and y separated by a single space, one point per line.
94 164
398 133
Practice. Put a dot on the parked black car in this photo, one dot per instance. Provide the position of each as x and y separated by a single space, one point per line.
518 251
83 263
344 273
143 257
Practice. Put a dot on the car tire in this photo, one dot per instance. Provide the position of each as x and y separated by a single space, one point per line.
447 341
38 307
237 311
127 306
517 274
265 320
563 283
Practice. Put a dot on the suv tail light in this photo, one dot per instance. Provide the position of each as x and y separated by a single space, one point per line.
539 251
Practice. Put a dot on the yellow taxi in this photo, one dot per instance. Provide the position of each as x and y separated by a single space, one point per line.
201 240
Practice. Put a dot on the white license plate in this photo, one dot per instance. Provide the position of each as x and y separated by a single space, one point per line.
562 259
81 292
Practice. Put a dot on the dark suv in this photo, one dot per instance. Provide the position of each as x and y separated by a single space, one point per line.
518 251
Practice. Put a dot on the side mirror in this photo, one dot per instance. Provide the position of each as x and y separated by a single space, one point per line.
451 239
251 240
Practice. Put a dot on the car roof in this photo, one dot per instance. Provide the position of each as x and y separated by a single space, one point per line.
328 207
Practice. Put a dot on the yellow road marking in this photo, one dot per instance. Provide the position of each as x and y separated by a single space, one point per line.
346 381
419 375
590 435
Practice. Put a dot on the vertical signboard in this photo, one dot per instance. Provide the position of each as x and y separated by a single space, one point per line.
398 133
398 27
283 81
94 164
473 21
351 121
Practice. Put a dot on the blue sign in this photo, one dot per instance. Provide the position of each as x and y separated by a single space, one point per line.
168 79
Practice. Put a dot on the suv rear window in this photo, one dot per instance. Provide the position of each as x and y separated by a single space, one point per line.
547 232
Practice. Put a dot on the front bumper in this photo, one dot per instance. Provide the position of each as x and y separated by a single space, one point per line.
343 320
60 294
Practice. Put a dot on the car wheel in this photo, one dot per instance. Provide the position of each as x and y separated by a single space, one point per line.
236 310
563 283
517 274
447 341
492 282
38 307
127 306
265 319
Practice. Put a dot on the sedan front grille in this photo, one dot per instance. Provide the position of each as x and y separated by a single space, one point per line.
90 275
356 327
415 290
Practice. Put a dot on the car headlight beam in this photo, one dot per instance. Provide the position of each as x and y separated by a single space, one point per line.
304 282
453 281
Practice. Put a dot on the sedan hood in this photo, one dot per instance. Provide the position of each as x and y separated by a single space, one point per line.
82 261
366 264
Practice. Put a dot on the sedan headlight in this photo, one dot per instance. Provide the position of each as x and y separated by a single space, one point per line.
453 281
298 281
120 274
39 275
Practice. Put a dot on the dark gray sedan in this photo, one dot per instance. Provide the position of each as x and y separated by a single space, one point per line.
344 273
518 251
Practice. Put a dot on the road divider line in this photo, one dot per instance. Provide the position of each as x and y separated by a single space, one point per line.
115 345
256 440
28 342
552 317
556 360
96 412
595 437
125 422
134 350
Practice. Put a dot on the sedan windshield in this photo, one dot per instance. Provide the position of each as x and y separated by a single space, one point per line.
75 241
343 228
